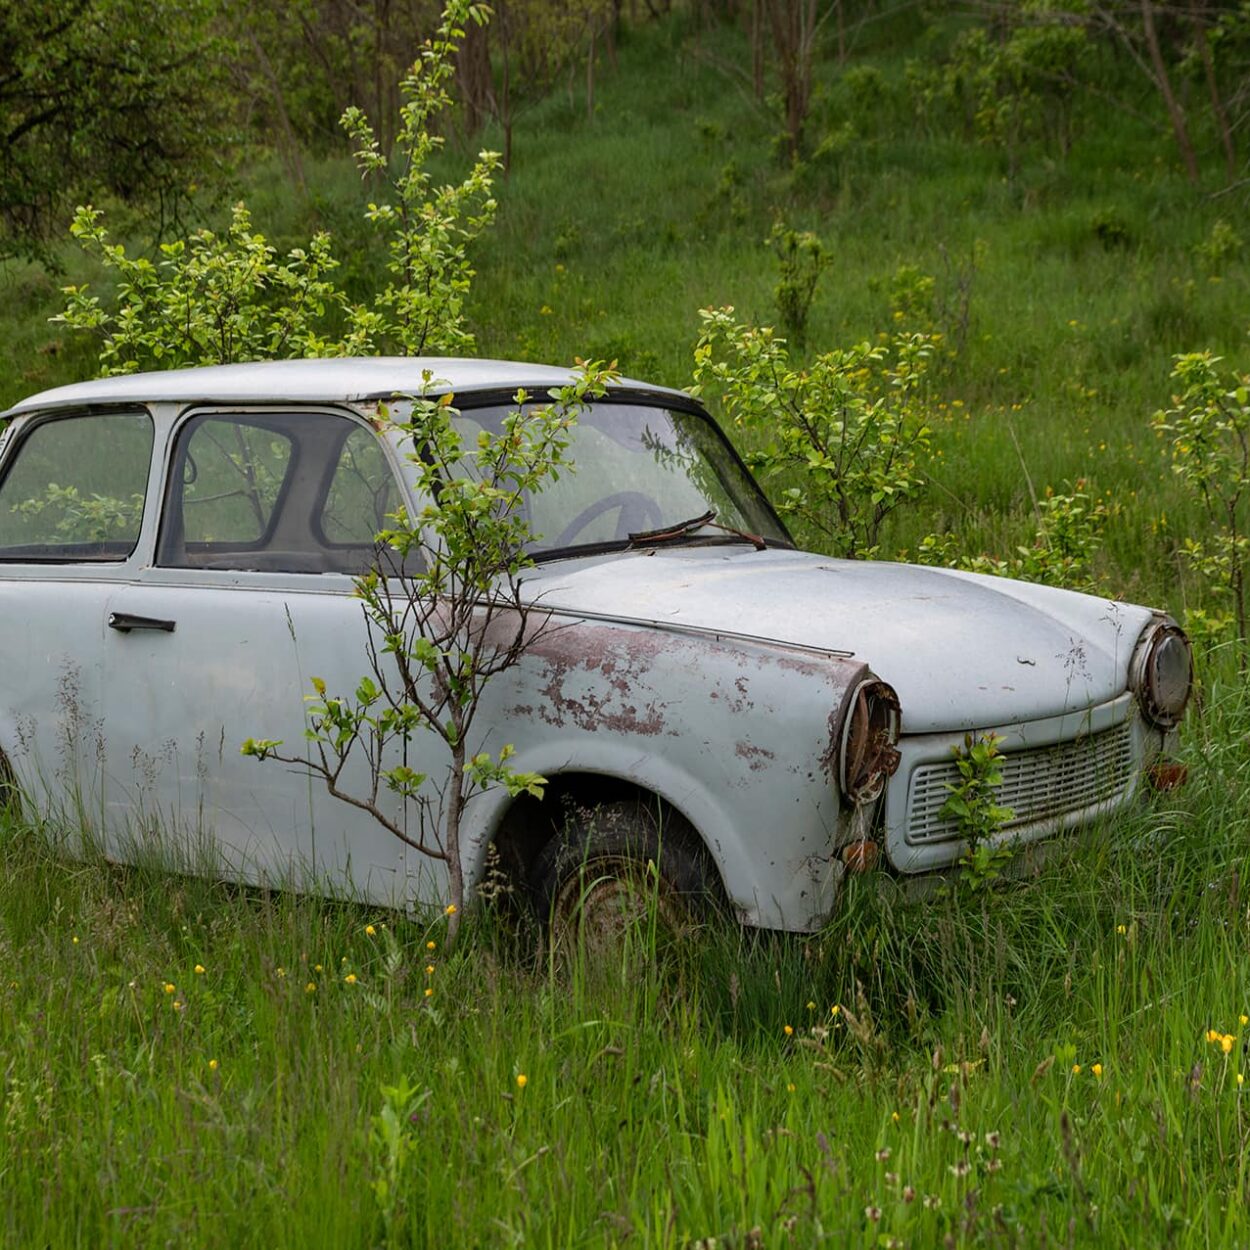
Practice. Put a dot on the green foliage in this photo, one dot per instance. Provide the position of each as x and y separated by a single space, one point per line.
848 426
911 293
91 518
393 1141
1220 247
217 299
1207 430
1070 530
447 615
801 259
211 299
973 805
428 228
1008 91
106 97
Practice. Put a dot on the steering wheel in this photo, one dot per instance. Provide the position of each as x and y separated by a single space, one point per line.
638 512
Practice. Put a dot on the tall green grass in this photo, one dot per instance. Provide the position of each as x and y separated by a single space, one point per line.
186 1061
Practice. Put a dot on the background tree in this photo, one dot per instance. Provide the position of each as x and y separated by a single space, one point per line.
220 298
106 97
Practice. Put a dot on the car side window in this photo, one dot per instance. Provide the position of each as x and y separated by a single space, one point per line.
74 489
362 496
289 492
232 474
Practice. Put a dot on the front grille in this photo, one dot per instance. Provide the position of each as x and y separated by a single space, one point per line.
1042 784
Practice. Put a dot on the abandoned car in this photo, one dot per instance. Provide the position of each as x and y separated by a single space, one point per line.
177 563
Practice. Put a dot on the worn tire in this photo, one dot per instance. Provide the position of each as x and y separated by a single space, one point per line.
593 887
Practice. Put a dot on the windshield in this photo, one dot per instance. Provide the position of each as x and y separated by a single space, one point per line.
638 468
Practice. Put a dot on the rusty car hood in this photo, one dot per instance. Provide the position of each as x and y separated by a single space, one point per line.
963 650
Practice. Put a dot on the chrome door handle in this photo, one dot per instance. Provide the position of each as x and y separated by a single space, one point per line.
124 622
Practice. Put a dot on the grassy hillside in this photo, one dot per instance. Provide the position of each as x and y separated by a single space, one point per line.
1067 284
1043 1063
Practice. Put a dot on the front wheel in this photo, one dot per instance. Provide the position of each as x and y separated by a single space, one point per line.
622 873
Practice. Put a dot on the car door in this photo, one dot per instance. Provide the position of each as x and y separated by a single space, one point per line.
267 515
73 493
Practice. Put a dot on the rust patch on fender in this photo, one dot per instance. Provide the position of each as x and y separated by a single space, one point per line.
757 758
620 657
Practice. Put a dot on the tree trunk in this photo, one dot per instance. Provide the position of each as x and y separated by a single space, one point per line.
757 48
1164 82
474 77
1213 87
590 74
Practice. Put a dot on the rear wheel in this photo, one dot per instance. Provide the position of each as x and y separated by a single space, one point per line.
621 874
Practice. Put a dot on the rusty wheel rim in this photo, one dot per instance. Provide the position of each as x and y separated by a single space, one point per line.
608 904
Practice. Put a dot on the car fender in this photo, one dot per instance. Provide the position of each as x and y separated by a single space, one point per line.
741 738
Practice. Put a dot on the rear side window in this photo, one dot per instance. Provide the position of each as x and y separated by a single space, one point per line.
232 475
277 492
74 490
362 495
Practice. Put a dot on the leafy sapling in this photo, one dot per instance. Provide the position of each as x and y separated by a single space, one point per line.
974 807
846 429
1208 433
447 614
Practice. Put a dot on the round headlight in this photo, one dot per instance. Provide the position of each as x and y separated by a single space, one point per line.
1164 674
869 740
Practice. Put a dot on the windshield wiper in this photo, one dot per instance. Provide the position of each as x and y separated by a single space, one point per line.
684 529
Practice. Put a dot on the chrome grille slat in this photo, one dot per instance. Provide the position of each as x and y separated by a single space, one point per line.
1038 784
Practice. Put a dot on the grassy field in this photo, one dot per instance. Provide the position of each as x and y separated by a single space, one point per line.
1026 1065
1029 1065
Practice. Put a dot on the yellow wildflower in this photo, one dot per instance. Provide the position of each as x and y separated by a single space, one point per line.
1243 1020
169 987
74 939
429 991
370 930
1121 929
431 946
788 1030
451 909
791 1087
1096 1069
199 970
311 987
350 978
811 1006
1226 1043
1076 1069
212 1065
429 970
522 1080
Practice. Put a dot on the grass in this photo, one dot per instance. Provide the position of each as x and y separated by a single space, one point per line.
668 1105
187 1061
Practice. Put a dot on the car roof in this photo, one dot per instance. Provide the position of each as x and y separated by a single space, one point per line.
347 380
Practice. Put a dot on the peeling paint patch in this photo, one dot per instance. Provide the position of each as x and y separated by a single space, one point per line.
757 758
